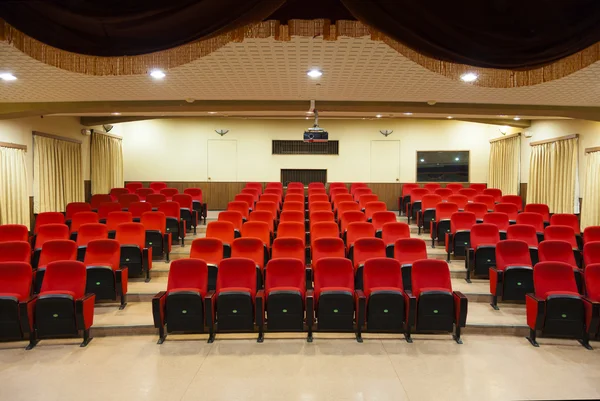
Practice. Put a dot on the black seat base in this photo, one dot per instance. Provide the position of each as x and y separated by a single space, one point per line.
386 312
184 312
235 312
518 281
10 327
285 311
335 311
101 281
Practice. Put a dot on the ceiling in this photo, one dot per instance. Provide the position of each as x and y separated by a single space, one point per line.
354 69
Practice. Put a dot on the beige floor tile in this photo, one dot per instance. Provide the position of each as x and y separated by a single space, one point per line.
134 314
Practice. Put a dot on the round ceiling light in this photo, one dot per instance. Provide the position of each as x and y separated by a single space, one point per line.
157 74
314 73
469 77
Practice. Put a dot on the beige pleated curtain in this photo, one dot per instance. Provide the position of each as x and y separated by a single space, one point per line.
14 199
553 175
505 165
107 163
590 209
57 174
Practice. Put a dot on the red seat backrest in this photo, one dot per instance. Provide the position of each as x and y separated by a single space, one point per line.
291 215
591 253
445 210
381 273
533 219
144 192
358 192
524 233
432 186
285 273
484 234
116 192
509 208
565 219
209 250
478 187
267 206
257 229
417 194
188 273
76 207
319 206
327 247
591 234
103 252
367 248
48 218
391 232
556 251
291 229
15 278
487 200
131 234
493 192
154 221
408 250
169 192
185 201
98 199
430 273
512 253
126 199
90 232
479 209
592 282
138 208
13 232
373 207
407 188
462 221
561 233
251 248
274 198
350 217
247 198
455 187
223 230
378 219
15 251
333 272
232 216
237 272
366 198
500 220
58 249
445 193
50 232
470 193
108 207
540 208
553 276
324 229
358 230
67 276
460 200
292 206
81 218
116 218
170 209
134 186
514 199
195 193
252 191
263 216
157 186
288 248
319 197
155 199
295 185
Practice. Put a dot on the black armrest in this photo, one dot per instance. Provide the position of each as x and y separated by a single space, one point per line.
310 308
158 309
260 310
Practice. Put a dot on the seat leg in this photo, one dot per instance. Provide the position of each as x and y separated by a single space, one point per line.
261 335
456 335
407 336
358 333
531 338
86 338
585 342
468 278
33 340
309 336
147 275
494 302
211 336
162 336
123 302
167 257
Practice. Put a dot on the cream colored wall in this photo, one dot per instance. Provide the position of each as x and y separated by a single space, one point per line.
176 149
20 131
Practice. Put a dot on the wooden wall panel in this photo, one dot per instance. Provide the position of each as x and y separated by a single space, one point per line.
388 193
87 190
523 192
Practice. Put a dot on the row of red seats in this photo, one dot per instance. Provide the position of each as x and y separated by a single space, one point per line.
451 188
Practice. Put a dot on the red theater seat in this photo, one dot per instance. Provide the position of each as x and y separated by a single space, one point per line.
540 208
482 251
512 277
186 210
350 217
295 185
175 224
470 193
514 199
294 197
15 251
295 191
13 232
455 187
255 185
233 217
292 229
52 251
289 247
460 200
116 192
536 220
267 206
478 187
263 216
245 197
48 218
564 233
339 198
561 251
157 237
414 205
327 247
458 240
127 199
137 209
319 207
365 249
253 249
565 219
358 192
197 202
47 233
293 206
292 215
335 192
487 200
445 193
366 198
527 234
500 220
155 200
134 254
321 216
432 292
116 218
591 234
427 212
87 233
98 199
106 208
157 186
432 186
144 192
391 232
260 230
378 219
374 207
75 207
105 276
210 250
80 218
493 192
478 209
556 308
591 253
509 209
358 230
441 225
16 304
252 191
134 186
318 197
169 193
224 231
406 252
405 197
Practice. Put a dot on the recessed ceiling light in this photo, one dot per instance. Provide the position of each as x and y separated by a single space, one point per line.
408 114
378 116
306 118
457 158
7 76
422 160
212 112
469 77
116 114
517 118
449 117
157 74
314 73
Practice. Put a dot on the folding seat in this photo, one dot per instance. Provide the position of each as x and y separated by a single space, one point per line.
356 231
157 237
16 303
175 224
357 185
290 206
98 199
460 200
508 208
264 206
406 252
426 213
248 198
134 253
48 218
186 210
13 232
414 205
87 233
561 251
15 251
292 229
295 185
62 307
286 296
157 186
169 192
298 198
126 199
105 276
335 298
52 251
224 231
374 207
294 191
288 247
274 185
500 220
236 291
335 192
571 220
137 209
364 199
349 217
493 192
274 191
318 197
391 232
106 208
251 191
564 233
432 186
47 233
591 253
254 249
380 218
481 254
276 199
360 192
556 308
478 187
404 198
198 204
255 185
333 185
514 199
144 192
487 200
260 230
444 193
540 208
441 225
155 200
116 192
470 193
80 218
317 191
339 198
478 209
458 240
75 207
210 250
533 219
455 187
590 234
316 185
234 218
134 186
512 277
365 249
327 247
319 216
432 305
265 217
319 206
116 218
323 229
291 215
344 207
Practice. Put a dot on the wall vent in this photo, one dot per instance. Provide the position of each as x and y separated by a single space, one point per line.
305 148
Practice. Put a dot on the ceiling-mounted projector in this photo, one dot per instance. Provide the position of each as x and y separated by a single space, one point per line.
315 133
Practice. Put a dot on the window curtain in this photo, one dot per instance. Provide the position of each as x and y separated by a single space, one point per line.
590 210
57 174
553 175
107 163
505 165
14 199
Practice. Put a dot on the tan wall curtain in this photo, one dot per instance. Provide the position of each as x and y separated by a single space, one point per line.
14 200
590 210
505 165
553 175
107 163
57 174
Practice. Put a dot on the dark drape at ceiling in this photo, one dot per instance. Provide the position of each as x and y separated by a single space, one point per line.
507 34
